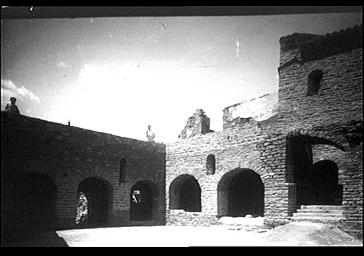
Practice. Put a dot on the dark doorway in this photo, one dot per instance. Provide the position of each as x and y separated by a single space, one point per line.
299 168
241 192
316 184
325 182
35 203
141 201
185 193
94 196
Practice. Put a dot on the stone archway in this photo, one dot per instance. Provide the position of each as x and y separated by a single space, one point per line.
241 192
143 201
35 196
316 184
185 193
94 200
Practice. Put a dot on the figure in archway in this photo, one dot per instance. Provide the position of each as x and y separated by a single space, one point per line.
93 202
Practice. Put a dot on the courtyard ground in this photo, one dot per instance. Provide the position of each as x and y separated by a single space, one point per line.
293 234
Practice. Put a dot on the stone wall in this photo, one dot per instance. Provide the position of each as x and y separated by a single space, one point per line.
254 146
336 109
330 120
332 44
340 97
308 47
353 191
70 154
182 218
243 146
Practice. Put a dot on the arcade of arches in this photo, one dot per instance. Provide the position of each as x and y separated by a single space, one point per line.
240 192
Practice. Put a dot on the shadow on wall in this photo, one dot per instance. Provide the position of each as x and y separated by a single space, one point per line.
49 239
30 208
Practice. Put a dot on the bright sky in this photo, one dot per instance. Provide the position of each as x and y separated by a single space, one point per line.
117 75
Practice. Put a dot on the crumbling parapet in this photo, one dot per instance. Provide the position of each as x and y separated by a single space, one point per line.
257 109
302 47
290 46
197 124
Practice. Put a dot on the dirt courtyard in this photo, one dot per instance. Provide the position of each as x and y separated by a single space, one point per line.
292 234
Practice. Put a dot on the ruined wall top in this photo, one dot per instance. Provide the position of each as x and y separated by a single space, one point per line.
257 109
295 40
307 47
197 124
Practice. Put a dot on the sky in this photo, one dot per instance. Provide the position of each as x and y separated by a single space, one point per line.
118 75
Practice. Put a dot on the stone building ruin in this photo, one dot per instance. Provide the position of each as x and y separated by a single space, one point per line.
303 162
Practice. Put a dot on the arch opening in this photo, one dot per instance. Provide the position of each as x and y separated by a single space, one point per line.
93 202
143 201
316 184
185 194
241 193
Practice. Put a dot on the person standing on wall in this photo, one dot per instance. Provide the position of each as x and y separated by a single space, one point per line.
150 134
12 108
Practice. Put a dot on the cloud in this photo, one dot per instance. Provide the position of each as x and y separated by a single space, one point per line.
62 64
9 89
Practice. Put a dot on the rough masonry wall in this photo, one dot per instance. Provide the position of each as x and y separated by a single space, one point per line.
332 113
244 146
329 116
339 99
197 219
353 191
69 154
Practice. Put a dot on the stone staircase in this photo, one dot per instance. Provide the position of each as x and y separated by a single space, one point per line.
319 213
